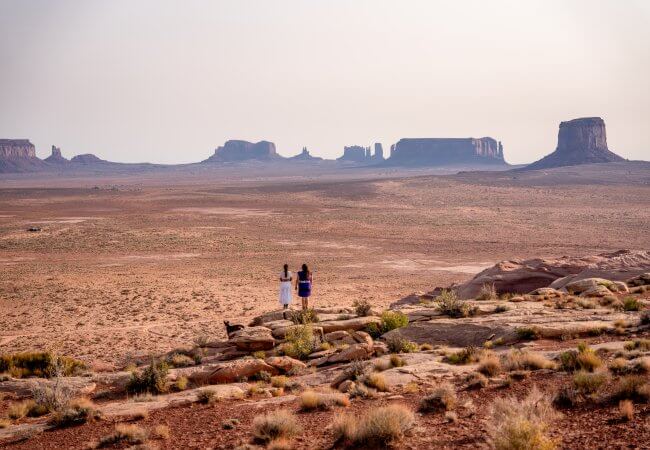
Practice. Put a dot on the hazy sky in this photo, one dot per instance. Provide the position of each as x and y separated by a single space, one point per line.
168 82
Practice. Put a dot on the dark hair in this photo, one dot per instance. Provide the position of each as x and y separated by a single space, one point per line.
305 269
286 270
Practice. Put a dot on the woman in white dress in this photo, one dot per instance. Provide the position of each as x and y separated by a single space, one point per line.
285 287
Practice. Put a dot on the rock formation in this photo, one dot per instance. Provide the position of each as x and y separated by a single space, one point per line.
234 150
379 152
304 155
522 276
446 151
87 159
18 155
579 141
56 157
357 153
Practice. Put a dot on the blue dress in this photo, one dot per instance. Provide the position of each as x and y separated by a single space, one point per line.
304 284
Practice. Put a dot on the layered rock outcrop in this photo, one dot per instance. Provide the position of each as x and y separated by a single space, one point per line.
446 151
19 155
56 157
579 141
236 150
354 153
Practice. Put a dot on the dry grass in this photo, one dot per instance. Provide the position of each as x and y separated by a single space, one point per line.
521 424
281 424
377 381
626 410
207 396
311 400
18 410
487 292
78 411
129 434
279 381
160 432
467 355
378 428
583 359
632 387
477 380
280 444
490 365
442 398
589 383
526 360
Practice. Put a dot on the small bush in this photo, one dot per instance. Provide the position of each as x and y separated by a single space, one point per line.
18 410
526 360
487 292
391 320
626 410
521 424
207 396
631 304
619 366
39 364
130 434
52 397
261 354
584 359
528 333
4 423
467 355
362 307
160 432
180 360
279 381
589 383
304 316
442 398
77 412
300 342
377 381
449 304
310 400
181 383
396 361
275 425
153 379
477 380
398 344
489 365
632 387
638 344
566 397
378 428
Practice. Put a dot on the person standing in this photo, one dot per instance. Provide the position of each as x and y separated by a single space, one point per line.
304 282
285 287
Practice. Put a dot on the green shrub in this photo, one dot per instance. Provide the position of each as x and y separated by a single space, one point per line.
631 304
398 344
391 320
589 383
300 342
153 379
304 316
449 304
39 364
362 307
77 412
467 355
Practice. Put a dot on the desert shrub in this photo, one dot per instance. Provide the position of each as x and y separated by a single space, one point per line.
638 344
476 380
516 424
39 364
377 381
588 383
398 344
583 359
76 412
396 361
626 410
467 355
153 379
500 308
279 381
632 387
54 396
362 307
310 400
303 316
631 304
18 410
263 375
566 397
619 366
4 423
207 396
391 320
489 365
160 432
378 428
517 359
129 434
449 304
260 354
300 342
181 383
487 292
528 333
180 360
442 398
275 425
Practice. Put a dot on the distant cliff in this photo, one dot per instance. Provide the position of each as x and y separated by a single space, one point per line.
446 151
359 154
236 150
579 141
19 155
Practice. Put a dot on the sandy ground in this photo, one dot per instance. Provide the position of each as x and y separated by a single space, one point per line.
119 272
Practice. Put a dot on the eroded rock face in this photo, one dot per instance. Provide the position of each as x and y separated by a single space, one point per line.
56 157
16 148
355 153
236 370
304 155
235 150
253 339
521 276
447 151
579 141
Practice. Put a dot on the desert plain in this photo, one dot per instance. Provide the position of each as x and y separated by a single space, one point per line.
126 268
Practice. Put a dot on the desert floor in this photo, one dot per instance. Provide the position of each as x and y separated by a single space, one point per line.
126 268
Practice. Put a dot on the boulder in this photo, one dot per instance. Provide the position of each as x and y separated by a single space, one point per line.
640 280
358 323
285 363
588 284
336 336
236 370
546 292
456 333
519 276
352 353
362 338
596 291
253 339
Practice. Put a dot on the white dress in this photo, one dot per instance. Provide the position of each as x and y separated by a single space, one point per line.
285 288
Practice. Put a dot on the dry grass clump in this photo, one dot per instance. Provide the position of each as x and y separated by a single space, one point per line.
279 381
281 424
487 292
467 355
79 411
397 361
18 410
449 304
584 359
39 364
632 387
516 424
632 304
377 381
626 410
619 366
181 383
477 380
362 307
490 365
160 432
153 379
589 383
526 360
638 344
398 344
4 423
207 396
128 434
442 398
378 428
311 400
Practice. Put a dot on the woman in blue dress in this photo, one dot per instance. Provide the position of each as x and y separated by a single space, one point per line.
303 285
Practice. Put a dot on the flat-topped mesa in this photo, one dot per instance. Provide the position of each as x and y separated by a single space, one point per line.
579 141
354 153
236 150
446 151
16 148
56 157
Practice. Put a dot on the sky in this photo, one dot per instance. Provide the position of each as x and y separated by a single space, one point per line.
169 81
